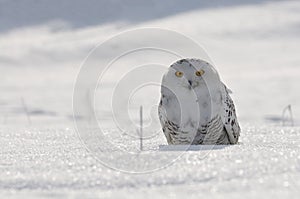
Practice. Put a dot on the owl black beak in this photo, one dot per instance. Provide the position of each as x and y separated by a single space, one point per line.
190 84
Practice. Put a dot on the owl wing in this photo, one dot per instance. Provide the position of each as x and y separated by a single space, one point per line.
164 122
229 117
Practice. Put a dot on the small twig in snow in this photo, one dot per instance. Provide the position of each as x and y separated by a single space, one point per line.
290 118
26 110
141 128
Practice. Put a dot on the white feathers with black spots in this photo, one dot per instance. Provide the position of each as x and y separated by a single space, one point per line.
195 106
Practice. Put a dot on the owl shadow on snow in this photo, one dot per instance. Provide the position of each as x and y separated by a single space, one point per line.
191 147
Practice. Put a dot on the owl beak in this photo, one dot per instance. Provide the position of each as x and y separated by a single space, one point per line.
190 84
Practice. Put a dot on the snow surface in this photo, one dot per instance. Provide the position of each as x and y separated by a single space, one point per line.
52 163
255 47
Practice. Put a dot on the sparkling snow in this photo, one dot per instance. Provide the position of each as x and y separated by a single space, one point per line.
52 163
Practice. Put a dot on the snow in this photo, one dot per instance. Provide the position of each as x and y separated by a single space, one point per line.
255 47
52 163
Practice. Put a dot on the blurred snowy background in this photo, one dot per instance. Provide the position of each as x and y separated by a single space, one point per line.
255 46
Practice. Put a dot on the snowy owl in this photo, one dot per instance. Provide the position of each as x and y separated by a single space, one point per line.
195 106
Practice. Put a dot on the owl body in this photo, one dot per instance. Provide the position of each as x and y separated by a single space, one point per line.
195 106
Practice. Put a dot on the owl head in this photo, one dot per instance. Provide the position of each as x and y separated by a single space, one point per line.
191 74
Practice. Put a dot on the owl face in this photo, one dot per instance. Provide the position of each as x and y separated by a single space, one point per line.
190 73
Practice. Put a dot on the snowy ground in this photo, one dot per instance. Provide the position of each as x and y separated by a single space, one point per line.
52 163
254 45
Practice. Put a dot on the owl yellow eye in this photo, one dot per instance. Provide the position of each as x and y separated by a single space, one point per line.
179 74
199 72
